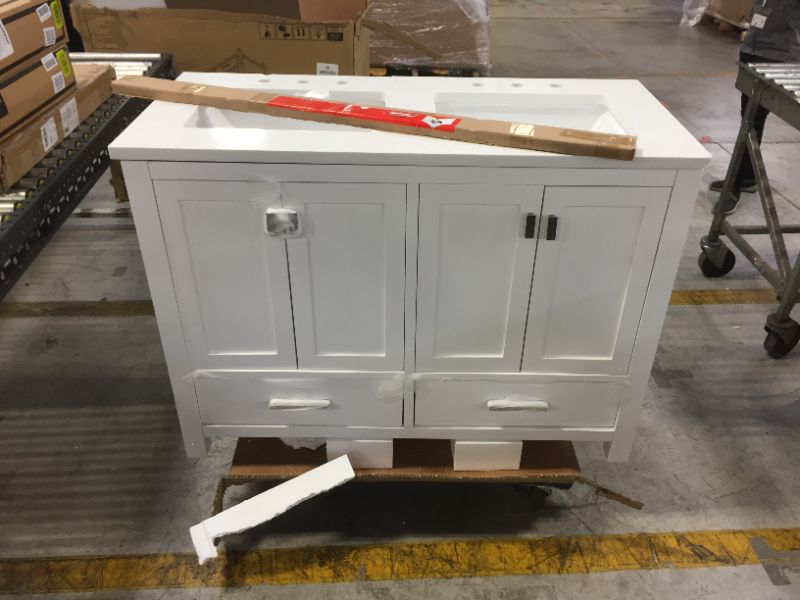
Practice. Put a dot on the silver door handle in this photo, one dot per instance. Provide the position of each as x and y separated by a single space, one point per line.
298 404
283 222
517 404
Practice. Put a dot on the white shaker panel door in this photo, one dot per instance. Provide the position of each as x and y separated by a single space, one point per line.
347 271
476 250
231 278
593 264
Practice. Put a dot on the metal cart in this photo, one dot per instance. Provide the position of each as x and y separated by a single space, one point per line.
33 210
776 87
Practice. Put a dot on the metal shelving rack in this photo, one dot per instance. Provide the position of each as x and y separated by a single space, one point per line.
776 87
42 200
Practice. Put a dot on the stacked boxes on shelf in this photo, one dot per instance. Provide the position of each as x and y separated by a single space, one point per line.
22 150
36 76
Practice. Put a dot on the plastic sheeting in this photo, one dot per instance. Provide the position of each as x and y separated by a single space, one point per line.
693 11
457 30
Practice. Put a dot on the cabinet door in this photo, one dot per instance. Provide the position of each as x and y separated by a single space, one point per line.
474 275
593 263
348 274
230 277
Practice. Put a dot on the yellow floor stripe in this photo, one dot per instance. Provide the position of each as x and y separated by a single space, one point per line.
752 296
112 308
397 561
139 308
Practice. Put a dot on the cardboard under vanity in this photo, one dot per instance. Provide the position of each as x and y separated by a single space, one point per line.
323 281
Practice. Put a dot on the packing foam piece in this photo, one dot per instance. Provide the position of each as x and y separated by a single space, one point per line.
268 505
363 454
486 456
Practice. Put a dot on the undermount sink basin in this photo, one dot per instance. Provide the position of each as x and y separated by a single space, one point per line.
229 119
576 111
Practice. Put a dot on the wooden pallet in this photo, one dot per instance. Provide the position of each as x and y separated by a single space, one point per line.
424 71
544 463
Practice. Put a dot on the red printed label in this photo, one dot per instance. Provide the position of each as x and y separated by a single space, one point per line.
366 113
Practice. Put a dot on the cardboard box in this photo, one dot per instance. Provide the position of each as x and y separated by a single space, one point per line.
464 43
29 29
733 11
466 129
205 40
20 152
34 89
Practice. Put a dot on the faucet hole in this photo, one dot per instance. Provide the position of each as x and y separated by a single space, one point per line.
302 81
517 84
555 85
263 80
341 82
477 84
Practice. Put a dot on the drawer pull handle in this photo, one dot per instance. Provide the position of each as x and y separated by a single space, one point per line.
283 222
289 404
516 404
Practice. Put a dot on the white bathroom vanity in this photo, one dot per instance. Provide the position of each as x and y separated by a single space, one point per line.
317 280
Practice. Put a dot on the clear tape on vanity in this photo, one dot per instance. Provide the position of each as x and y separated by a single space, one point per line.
385 385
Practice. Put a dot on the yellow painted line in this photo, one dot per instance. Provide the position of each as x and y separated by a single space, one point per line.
142 308
113 308
698 297
395 561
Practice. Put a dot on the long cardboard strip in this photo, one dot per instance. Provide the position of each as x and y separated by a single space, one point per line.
527 136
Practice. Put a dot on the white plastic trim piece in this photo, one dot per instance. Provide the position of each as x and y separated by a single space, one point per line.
363 454
268 505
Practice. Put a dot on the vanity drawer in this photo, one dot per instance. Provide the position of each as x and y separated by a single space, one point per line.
482 403
269 398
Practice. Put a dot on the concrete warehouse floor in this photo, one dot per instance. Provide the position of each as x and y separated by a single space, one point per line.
90 454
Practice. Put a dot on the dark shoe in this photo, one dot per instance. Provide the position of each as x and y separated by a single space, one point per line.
732 204
748 185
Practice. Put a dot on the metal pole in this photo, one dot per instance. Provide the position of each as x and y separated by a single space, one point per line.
733 167
789 293
768 204
752 255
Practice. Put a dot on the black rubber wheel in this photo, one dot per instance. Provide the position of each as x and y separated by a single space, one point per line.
709 269
776 346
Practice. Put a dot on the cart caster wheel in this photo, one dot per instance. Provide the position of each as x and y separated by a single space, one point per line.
709 269
780 340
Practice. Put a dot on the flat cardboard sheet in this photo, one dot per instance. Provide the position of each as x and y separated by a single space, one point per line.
527 136
543 463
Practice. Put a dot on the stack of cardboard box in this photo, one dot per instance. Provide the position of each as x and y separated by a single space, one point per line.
39 98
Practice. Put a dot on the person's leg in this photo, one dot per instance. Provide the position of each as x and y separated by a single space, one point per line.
745 178
746 173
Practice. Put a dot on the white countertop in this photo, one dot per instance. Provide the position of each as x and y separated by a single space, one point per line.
179 132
